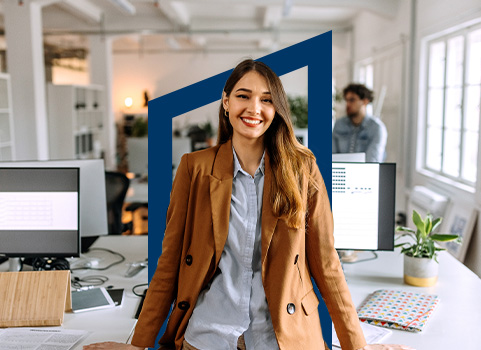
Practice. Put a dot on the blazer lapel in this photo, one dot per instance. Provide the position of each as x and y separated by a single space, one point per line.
269 220
220 196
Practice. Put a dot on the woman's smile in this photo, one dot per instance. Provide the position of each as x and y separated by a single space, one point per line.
251 122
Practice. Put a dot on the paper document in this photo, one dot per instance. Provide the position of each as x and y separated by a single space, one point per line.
40 338
373 334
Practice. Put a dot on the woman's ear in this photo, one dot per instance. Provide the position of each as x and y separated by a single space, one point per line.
225 101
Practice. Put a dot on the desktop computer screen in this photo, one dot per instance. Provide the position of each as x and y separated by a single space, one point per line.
363 205
39 212
93 202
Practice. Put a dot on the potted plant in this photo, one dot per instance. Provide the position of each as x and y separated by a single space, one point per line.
298 107
420 257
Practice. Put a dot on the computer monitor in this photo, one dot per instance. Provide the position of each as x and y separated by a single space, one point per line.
349 157
93 202
39 212
137 155
363 205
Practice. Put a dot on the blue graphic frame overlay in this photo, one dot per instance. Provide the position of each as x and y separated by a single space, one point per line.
316 55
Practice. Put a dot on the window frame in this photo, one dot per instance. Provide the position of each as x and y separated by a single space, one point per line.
463 30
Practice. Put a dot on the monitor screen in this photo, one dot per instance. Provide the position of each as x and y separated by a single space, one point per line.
39 212
363 205
93 202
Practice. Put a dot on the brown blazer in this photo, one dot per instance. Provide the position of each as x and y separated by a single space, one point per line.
196 231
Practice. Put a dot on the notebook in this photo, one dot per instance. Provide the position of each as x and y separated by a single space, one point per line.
398 309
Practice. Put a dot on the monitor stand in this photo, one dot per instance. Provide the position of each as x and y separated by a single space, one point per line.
86 242
348 256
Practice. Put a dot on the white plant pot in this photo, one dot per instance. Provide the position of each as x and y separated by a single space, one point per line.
420 272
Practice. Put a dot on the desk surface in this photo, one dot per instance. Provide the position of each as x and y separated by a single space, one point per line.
455 324
114 324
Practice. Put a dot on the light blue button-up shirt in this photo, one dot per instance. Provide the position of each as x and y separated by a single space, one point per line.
370 137
235 303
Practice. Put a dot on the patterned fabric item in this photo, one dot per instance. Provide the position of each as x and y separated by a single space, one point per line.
398 309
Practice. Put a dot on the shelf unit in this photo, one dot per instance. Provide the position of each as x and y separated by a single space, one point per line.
7 142
76 119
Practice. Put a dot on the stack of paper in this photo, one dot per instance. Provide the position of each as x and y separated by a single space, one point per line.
372 334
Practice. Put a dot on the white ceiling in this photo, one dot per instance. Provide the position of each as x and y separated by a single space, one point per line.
222 25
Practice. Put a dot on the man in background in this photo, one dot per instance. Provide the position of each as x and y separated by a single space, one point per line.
358 132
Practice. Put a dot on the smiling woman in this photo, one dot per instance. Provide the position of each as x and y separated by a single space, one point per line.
250 111
248 225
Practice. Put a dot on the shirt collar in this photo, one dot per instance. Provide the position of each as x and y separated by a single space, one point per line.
237 166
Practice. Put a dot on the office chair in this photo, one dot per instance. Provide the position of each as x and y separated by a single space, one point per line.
132 208
116 186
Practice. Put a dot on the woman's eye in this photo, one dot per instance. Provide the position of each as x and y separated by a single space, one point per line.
242 96
267 100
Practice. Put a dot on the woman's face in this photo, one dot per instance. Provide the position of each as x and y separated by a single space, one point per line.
250 107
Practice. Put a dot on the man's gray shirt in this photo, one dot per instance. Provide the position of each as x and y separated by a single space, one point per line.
369 137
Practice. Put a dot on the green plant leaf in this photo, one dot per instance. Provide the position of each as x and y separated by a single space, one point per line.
428 224
436 223
443 237
431 249
419 223
404 229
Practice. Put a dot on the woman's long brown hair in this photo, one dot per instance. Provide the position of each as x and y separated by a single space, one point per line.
289 160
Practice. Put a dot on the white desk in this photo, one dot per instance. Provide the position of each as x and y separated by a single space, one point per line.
454 324
114 324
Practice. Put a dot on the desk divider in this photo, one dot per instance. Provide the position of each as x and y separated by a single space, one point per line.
34 298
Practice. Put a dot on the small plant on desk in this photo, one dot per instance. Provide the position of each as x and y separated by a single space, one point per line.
420 257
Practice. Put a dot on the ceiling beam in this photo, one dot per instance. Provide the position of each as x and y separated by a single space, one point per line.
176 12
83 9
45 3
386 8
125 6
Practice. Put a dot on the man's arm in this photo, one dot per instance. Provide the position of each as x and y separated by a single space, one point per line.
377 146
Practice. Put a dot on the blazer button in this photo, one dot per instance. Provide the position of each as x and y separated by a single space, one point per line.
183 305
188 260
291 308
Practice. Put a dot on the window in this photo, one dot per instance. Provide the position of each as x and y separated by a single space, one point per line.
452 111
366 77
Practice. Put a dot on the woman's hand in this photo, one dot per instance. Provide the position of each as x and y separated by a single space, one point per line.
111 346
386 347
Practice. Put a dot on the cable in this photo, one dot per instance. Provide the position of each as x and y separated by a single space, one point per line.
122 259
137 286
89 281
